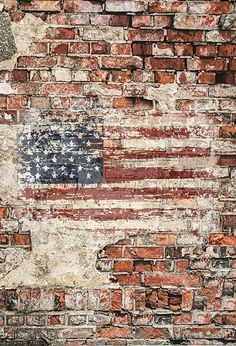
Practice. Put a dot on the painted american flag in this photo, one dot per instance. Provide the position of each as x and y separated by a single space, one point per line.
132 168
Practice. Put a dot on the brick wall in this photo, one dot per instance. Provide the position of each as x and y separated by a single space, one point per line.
161 75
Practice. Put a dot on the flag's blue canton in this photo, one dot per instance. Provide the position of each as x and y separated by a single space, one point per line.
61 153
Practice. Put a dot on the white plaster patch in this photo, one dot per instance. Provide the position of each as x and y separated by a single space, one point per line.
62 254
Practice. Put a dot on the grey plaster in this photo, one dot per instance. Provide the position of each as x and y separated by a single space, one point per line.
7 42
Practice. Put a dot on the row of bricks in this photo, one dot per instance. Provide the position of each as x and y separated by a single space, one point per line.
211 297
122 35
142 334
17 239
117 318
13 103
135 62
130 6
162 77
136 48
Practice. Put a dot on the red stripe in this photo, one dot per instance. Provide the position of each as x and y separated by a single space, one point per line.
103 214
116 154
117 174
114 193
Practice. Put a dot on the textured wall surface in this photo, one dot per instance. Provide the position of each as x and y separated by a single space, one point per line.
117 171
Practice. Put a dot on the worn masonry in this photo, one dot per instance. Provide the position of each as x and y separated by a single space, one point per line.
117 171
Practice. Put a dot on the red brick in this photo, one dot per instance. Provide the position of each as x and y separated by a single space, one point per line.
145 35
123 103
229 220
61 89
225 78
123 266
82 6
141 21
113 62
144 252
227 50
219 7
116 300
143 266
165 63
162 21
59 48
121 76
232 65
119 20
54 320
187 300
100 48
207 64
4 239
113 252
159 6
222 239
164 77
79 48
121 49
172 280
60 34
114 332
99 76
166 239
152 333
19 75
32 61
227 160
128 279
228 131
185 35
182 49
142 49
206 77
17 102
20 239
3 213
41 5
3 102
206 50
185 105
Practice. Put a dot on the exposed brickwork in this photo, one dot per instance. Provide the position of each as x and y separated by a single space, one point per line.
162 76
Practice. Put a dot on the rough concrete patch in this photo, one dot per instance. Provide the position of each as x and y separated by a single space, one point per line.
62 254
7 42
29 30
8 161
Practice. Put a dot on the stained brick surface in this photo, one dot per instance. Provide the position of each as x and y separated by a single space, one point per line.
156 79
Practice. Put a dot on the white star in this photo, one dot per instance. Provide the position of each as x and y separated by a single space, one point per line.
54 175
29 152
80 168
88 159
71 159
72 175
37 159
80 135
62 168
89 144
37 175
45 168
54 159
88 175
97 168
